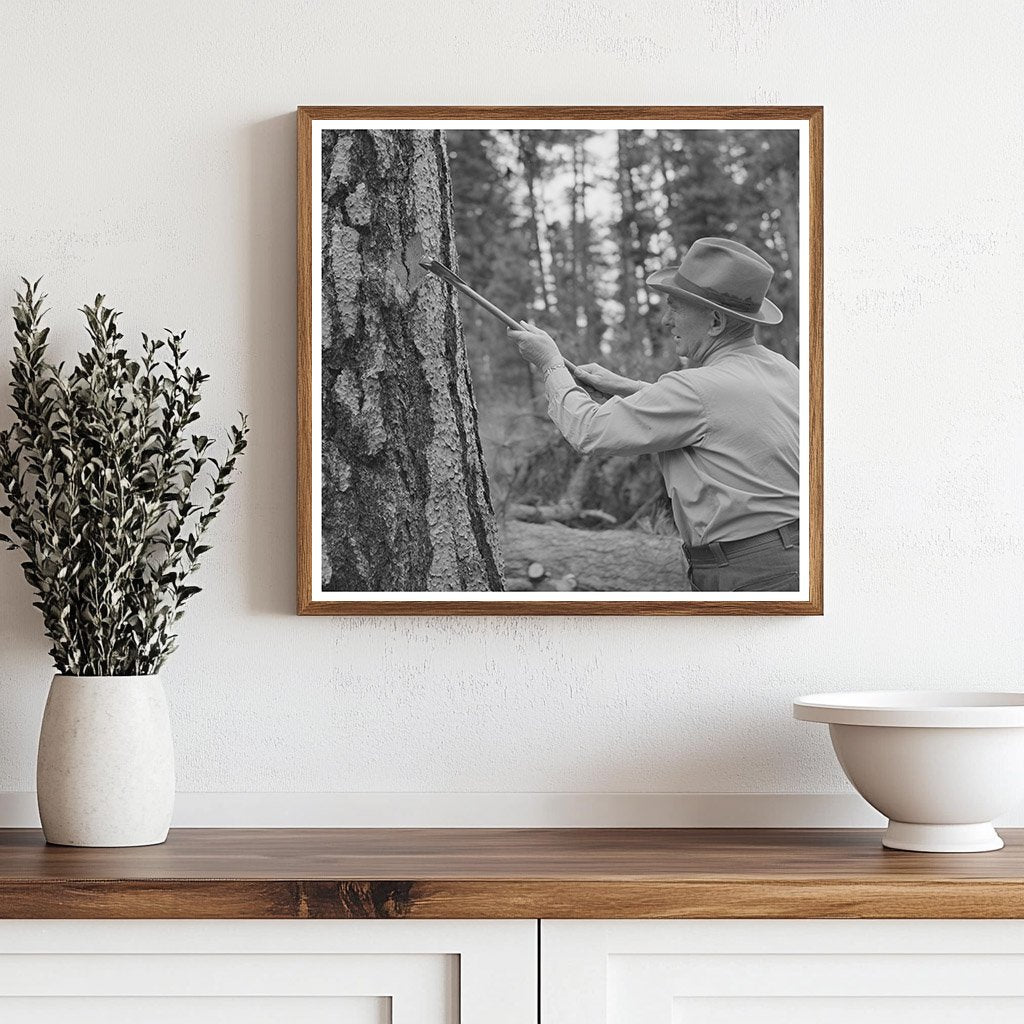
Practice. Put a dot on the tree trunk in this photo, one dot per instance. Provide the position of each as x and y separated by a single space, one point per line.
580 270
600 560
406 504
662 146
642 255
788 199
628 296
528 158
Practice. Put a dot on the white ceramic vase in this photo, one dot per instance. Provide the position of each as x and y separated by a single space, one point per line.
105 771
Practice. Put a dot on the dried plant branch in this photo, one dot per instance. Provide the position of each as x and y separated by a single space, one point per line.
109 496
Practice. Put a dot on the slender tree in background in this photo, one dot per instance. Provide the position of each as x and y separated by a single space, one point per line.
527 141
577 316
627 242
637 227
406 501
579 270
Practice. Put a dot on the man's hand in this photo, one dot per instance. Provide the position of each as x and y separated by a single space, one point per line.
536 346
595 376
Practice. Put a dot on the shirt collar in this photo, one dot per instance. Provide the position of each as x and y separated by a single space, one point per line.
724 349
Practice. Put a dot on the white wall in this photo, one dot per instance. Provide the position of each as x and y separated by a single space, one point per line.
148 152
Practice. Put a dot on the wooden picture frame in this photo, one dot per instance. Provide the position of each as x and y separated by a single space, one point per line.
313 600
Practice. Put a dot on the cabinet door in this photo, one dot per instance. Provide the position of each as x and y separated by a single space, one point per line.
782 972
258 972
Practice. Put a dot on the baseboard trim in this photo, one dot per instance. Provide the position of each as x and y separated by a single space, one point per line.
496 810
504 810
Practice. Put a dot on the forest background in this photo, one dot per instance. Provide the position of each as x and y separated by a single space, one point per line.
562 227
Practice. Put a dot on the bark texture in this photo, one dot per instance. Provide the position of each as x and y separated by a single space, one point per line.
406 504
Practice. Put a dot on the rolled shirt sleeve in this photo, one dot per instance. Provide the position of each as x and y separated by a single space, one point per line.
658 418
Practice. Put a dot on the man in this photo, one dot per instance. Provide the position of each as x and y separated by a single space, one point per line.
725 429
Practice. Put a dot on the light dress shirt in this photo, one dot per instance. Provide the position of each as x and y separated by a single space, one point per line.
726 435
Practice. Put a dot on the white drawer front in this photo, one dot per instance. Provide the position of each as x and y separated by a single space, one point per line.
297 972
796 972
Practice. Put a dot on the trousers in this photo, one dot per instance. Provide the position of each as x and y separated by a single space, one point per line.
769 561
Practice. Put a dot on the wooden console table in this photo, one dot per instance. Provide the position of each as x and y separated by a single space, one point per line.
507 873
496 926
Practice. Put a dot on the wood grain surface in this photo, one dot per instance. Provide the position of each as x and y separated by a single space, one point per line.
508 873
452 604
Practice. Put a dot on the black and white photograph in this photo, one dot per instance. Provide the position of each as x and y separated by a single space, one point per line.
557 363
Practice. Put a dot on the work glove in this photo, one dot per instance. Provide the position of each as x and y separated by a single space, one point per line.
536 346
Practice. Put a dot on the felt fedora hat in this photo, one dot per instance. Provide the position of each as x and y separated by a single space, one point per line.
724 274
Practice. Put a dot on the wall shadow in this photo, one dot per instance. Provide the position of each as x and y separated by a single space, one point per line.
269 148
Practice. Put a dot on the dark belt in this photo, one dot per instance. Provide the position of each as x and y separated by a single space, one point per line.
718 552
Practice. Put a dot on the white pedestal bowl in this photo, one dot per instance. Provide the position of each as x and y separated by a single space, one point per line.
940 766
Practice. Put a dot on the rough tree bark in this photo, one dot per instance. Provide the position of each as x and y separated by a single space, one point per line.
406 504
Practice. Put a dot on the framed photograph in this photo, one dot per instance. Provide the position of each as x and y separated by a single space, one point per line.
560 360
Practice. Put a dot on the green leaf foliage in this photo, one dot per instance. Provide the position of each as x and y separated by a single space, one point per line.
108 492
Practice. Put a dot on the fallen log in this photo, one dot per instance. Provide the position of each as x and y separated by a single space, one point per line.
570 506
619 561
560 513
